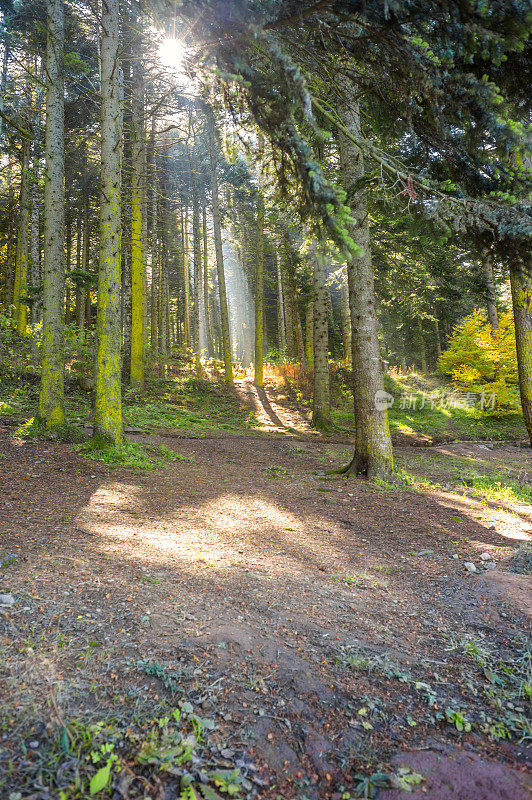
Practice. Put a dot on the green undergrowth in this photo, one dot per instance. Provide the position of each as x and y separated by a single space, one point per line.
487 480
186 405
33 429
128 755
362 580
132 455
180 403
425 406
485 689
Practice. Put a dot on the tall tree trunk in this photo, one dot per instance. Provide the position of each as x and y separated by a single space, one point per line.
281 329
138 158
422 348
154 246
84 313
3 78
125 199
491 295
206 302
259 294
68 238
309 333
437 340
298 328
197 263
186 282
321 404
79 249
217 231
35 250
10 245
521 283
373 448
161 310
21 261
287 307
108 402
346 318
52 399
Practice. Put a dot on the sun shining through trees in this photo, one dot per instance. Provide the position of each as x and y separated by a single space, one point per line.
173 55
246 246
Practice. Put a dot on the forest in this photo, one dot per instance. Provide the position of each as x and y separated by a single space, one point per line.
265 399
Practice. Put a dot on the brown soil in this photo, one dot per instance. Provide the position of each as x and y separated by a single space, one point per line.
248 565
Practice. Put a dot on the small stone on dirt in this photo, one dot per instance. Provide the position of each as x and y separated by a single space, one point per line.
486 557
469 566
6 600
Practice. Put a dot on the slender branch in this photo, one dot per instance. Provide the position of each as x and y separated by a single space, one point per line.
26 134
374 153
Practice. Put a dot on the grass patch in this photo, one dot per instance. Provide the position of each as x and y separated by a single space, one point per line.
187 405
499 486
33 429
424 414
132 456
96 758
362 580
456 474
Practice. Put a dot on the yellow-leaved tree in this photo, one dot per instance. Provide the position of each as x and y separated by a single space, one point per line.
482 360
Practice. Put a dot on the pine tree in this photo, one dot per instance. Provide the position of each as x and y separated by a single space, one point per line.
51 400
108 402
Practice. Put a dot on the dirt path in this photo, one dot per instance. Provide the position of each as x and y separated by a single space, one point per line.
273 411
306 615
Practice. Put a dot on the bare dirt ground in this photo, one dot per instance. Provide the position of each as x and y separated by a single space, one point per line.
328 626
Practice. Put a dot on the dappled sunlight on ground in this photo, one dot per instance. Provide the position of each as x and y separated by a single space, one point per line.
506 521
222 532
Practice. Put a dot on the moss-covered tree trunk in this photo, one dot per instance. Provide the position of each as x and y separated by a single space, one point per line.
138 182
23 240
220 272
51 399
259 294
373 447
521 282
108 402
321 403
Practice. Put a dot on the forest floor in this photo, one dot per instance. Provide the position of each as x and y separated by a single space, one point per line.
317 636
